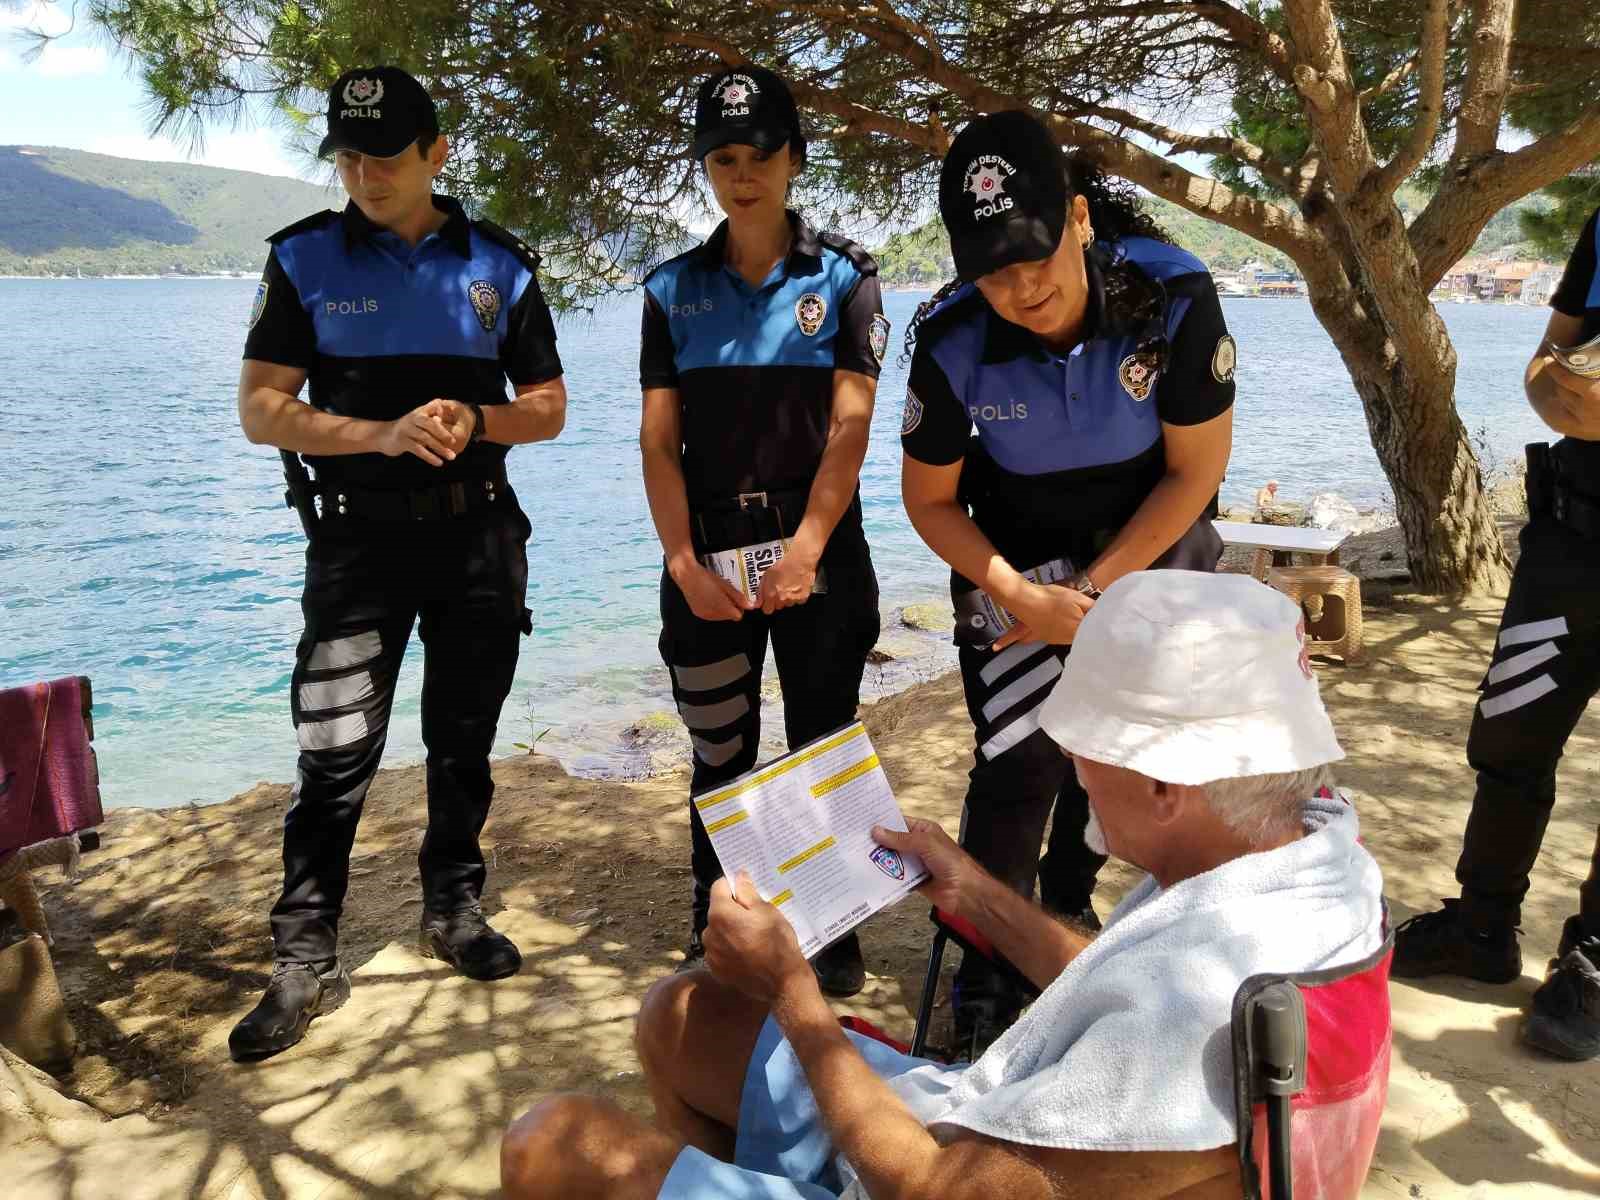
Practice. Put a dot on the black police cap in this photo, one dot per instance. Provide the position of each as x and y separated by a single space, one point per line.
1002 193
377 111
748 106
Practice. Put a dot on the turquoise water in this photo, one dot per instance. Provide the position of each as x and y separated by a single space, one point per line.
144 542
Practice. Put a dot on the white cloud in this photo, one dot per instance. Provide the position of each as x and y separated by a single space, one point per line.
53 19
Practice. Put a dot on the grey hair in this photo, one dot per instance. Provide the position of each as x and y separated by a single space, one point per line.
1266 808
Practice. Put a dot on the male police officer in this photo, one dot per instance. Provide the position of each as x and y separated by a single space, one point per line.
407 318
1545 670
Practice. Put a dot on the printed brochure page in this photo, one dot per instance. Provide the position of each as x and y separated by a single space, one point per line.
801 828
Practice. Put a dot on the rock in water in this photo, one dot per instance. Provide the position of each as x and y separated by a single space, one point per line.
1329 510
936 618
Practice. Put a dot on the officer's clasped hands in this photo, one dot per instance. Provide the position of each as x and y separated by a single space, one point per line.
431 431
788 582
710 596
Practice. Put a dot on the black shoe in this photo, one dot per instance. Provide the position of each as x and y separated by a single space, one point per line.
839 968
465 941
693 954
1442 943
982 1013
297 993
1564 1015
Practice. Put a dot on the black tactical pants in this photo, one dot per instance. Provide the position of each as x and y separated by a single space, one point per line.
1545 670
821 651
366 584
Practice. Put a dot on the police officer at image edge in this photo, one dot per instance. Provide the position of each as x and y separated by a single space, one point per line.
1544 672
1088 461
761 393
406 318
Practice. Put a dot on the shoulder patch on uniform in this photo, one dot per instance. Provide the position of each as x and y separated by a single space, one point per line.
863 262
878 337
315 221
526 254
260 305
1224 358
912 417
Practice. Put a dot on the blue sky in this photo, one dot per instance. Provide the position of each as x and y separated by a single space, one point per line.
81 93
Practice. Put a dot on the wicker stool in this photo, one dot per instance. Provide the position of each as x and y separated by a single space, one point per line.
1331 628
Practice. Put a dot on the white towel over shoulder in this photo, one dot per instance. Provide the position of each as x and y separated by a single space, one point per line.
1129 1049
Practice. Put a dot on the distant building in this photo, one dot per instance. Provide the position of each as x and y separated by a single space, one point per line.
1505 282
1541 285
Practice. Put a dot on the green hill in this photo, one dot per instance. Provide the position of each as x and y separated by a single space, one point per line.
921 257
65 212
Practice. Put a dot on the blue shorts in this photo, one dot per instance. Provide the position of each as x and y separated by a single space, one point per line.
782 1151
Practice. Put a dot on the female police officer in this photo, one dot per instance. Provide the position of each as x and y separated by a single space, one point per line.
1093 360
761 352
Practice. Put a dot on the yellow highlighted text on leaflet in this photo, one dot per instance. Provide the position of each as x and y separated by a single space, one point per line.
826 843
787 764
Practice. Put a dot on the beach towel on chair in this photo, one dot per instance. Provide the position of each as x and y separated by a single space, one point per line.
48 784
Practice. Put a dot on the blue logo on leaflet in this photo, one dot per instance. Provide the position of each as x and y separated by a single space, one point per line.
889 862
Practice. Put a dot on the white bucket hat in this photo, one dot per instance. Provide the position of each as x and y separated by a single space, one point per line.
1187 677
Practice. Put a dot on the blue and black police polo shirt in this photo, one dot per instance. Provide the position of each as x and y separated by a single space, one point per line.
1068 444
754 366
382 327
1578 295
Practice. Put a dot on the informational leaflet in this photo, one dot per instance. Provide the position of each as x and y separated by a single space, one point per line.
745 566
979 620
801 828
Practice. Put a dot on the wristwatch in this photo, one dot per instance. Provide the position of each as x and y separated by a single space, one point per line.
1085 585
478 426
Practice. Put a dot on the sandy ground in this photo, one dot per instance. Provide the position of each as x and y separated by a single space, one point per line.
163 944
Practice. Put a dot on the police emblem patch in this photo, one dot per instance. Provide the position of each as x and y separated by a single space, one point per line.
878 337
809 311
986 181
1224 358
888 861
485 299
737 93
260 304
1137 374
912 417
363 92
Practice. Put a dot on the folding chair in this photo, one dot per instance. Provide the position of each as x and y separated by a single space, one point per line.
948 928
1311 1074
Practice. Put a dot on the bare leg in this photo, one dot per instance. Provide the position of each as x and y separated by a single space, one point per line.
575 1147
695 1037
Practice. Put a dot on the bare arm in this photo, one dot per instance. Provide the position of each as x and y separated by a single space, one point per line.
661 448
1567 403
537 413
1197 457
929 492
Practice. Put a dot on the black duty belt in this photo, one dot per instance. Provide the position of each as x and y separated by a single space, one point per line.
1551 493
748 518
432 503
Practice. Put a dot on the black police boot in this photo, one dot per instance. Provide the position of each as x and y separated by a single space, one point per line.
693 954
1444 943
839 968
297 993
1564 1015
985 1002
464 940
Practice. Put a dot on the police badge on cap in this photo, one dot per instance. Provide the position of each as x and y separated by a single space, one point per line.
377 111
1002 193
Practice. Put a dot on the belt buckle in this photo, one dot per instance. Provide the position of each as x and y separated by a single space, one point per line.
746 498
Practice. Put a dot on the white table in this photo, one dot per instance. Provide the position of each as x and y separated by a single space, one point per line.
1268 541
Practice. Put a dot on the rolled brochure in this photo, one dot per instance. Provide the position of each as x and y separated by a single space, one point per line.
744 567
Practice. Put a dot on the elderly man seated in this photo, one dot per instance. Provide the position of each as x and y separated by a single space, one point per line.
1189 707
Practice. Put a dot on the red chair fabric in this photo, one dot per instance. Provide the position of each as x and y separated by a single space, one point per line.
1335 1121
49 786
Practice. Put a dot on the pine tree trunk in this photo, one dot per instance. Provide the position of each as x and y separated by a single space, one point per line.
1452 538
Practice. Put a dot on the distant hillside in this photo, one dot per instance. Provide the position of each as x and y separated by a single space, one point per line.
63 212
921 258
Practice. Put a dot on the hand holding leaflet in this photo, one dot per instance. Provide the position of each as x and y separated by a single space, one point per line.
801 828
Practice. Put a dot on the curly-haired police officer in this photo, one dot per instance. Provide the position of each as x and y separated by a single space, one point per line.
1092 359
406 318
1544 673
760 360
